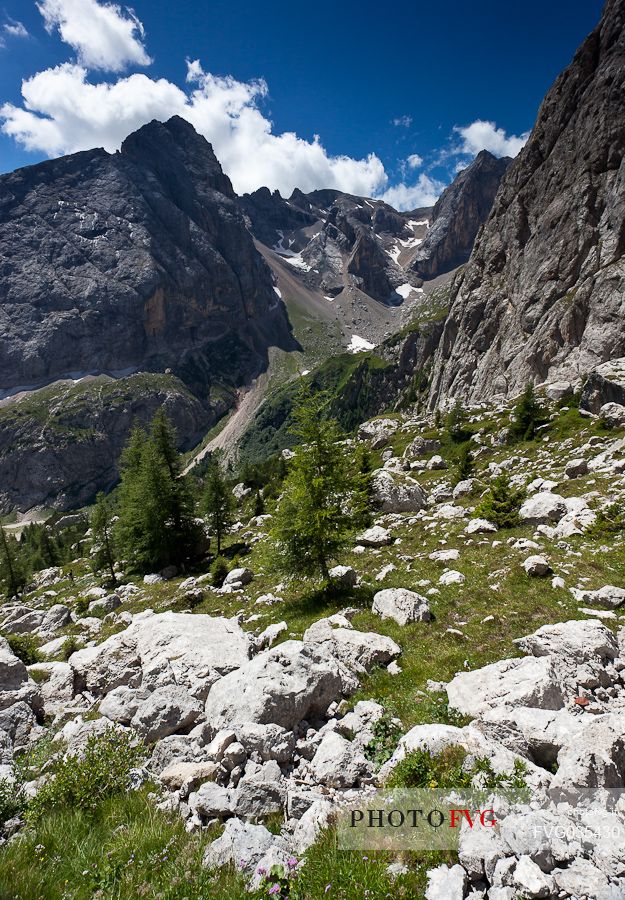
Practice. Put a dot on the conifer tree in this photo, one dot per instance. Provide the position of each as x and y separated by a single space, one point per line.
104 555
218 502
502 503
465 465
156 525
528 414
13 572
324 494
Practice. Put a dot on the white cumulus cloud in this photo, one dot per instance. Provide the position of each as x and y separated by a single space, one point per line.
104 35
64 111
483 135
424 192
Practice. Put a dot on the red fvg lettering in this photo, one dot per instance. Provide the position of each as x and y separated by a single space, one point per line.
457 815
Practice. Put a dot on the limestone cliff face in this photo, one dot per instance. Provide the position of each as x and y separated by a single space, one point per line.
543 295
457 216
133 260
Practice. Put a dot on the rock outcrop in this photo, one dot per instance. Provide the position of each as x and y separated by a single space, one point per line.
459 213
542 297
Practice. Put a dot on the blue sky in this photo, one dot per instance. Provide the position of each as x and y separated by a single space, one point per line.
401 96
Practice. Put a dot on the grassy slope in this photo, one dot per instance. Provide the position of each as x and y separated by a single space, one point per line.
495 585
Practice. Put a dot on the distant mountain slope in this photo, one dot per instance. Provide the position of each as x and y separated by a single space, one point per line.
543 295
133 260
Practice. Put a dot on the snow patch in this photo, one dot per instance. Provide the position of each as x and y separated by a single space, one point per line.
405 290
359 344
297 261
278 291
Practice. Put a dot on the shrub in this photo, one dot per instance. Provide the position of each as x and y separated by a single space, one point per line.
419 769
12 800
386 734
610 520
259 504
452 770
528 416
456 425
81 606
219 570
83 782
502 503
24 646
40 676
70 645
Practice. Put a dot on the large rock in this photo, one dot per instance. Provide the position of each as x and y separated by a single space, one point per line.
608 595
15 684
247 847
379 431
446 883
604 385
576 641
21 619
192 651
510 682
543 508
613 414
56 687
375 537
594 759
267 741
396 493
358 650
537 566
338 763
212 801
260 794
402 605
282 686
167 710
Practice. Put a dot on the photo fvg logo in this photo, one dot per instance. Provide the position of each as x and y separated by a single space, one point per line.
452 817
417 819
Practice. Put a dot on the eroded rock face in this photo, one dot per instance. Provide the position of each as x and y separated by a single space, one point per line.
458 214
137 261
542 296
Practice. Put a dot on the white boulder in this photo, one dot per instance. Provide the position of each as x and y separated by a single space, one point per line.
401 605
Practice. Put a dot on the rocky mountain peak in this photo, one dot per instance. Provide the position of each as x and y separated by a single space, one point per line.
173 150
458 214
